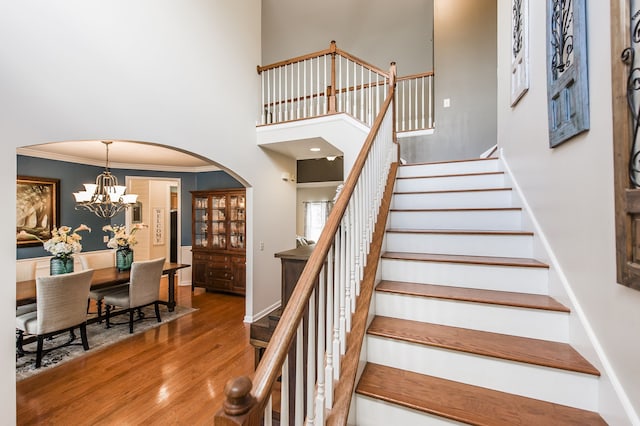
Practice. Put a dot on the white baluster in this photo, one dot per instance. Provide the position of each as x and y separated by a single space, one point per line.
408 117
279 93
422 103
404 117
369 106
312 353
326 95
298 91
321 350
328 369
362 97
286 90
430 98
299 387
262 112
344 285
354 104
284 393
304 89
337 309
346 93
273 112
268 412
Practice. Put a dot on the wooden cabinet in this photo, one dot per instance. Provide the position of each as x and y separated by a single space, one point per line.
218 234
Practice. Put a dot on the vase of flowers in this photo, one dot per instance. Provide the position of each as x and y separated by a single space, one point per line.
123 241
63 243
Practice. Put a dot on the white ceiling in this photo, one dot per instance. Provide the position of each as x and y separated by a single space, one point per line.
122 154
126 154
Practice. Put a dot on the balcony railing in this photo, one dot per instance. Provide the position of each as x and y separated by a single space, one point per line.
333 81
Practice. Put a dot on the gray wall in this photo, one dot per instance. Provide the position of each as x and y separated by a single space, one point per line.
465 64
368 29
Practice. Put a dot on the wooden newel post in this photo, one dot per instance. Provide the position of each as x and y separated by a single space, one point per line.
238 403
392 85
239 399
331 90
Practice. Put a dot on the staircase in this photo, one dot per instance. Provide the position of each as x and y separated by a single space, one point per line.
464 331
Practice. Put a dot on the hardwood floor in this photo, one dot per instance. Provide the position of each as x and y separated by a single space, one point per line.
171 375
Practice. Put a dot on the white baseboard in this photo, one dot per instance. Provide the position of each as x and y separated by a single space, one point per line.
253 318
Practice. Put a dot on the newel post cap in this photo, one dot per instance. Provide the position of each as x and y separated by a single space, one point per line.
239 399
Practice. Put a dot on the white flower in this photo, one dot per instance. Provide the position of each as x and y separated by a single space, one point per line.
64 242
121 238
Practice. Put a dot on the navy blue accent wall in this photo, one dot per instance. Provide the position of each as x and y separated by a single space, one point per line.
73 175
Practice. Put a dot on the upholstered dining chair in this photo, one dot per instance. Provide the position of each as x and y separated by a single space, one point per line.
143 290
97 261
61 306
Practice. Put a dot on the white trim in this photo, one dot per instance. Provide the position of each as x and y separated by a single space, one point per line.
412 133
576 307
266 311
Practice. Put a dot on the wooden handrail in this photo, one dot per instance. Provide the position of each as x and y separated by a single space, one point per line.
412 76
274 356
331 50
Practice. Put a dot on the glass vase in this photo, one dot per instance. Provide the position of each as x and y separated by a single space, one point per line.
60 265
124 258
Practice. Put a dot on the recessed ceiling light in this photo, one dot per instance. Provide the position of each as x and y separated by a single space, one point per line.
314 149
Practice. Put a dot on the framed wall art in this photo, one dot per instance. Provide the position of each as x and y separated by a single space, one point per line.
37 209
567 77
519 49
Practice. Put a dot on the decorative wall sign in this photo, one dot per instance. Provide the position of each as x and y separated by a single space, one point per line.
37 209
633 94
567 77
158 226
519 49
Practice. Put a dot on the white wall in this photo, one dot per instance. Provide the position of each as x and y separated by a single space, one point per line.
376 31
175 73
570 190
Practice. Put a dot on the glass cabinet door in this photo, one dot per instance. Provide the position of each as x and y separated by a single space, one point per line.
218 221
201 221
236 221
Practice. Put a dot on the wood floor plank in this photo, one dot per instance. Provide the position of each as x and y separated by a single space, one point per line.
505 298
477 260
466 403
514 348
172 374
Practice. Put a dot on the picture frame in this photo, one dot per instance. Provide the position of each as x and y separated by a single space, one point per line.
37 209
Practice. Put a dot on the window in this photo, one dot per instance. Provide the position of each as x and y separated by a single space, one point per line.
315 216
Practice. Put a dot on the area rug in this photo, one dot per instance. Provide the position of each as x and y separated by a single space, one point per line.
98 336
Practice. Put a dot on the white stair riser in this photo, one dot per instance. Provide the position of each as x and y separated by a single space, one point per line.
549 384
374 412
475 199
471 245
489 277
438 169
494 220
446 183
532 323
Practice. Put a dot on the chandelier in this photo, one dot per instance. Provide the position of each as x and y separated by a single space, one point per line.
105 198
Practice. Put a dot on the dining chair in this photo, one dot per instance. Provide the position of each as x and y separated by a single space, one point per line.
143 290
61 306
97 261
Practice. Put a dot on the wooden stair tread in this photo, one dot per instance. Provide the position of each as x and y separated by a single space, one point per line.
458 232
514 348
445 191
450 175
476 260
505 298
466 403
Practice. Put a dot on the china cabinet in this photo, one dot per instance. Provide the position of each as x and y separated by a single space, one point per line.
218 235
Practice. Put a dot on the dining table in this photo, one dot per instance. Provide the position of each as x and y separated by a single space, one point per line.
105 277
